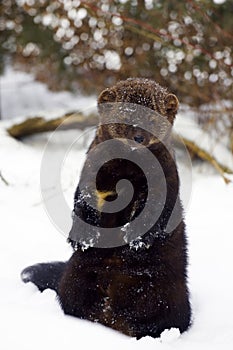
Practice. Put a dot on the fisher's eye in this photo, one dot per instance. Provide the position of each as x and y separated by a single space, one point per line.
139 138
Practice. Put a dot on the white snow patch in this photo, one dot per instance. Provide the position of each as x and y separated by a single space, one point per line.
169 335
22 96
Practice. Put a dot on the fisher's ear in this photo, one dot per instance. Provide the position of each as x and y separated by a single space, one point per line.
171 105
107 95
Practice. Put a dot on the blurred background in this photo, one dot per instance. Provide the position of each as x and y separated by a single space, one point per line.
86 45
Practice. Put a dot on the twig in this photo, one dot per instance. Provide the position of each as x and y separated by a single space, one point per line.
3 179
201 153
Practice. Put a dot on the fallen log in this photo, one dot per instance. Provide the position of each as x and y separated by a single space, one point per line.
37 125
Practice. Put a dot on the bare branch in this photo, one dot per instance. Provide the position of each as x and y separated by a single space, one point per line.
203 154
3 179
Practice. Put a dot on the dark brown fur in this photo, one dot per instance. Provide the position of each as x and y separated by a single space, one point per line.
141 291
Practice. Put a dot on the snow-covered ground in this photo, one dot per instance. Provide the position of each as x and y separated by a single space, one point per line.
33 320
22 96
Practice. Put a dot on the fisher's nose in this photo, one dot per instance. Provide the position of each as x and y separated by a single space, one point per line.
139 138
